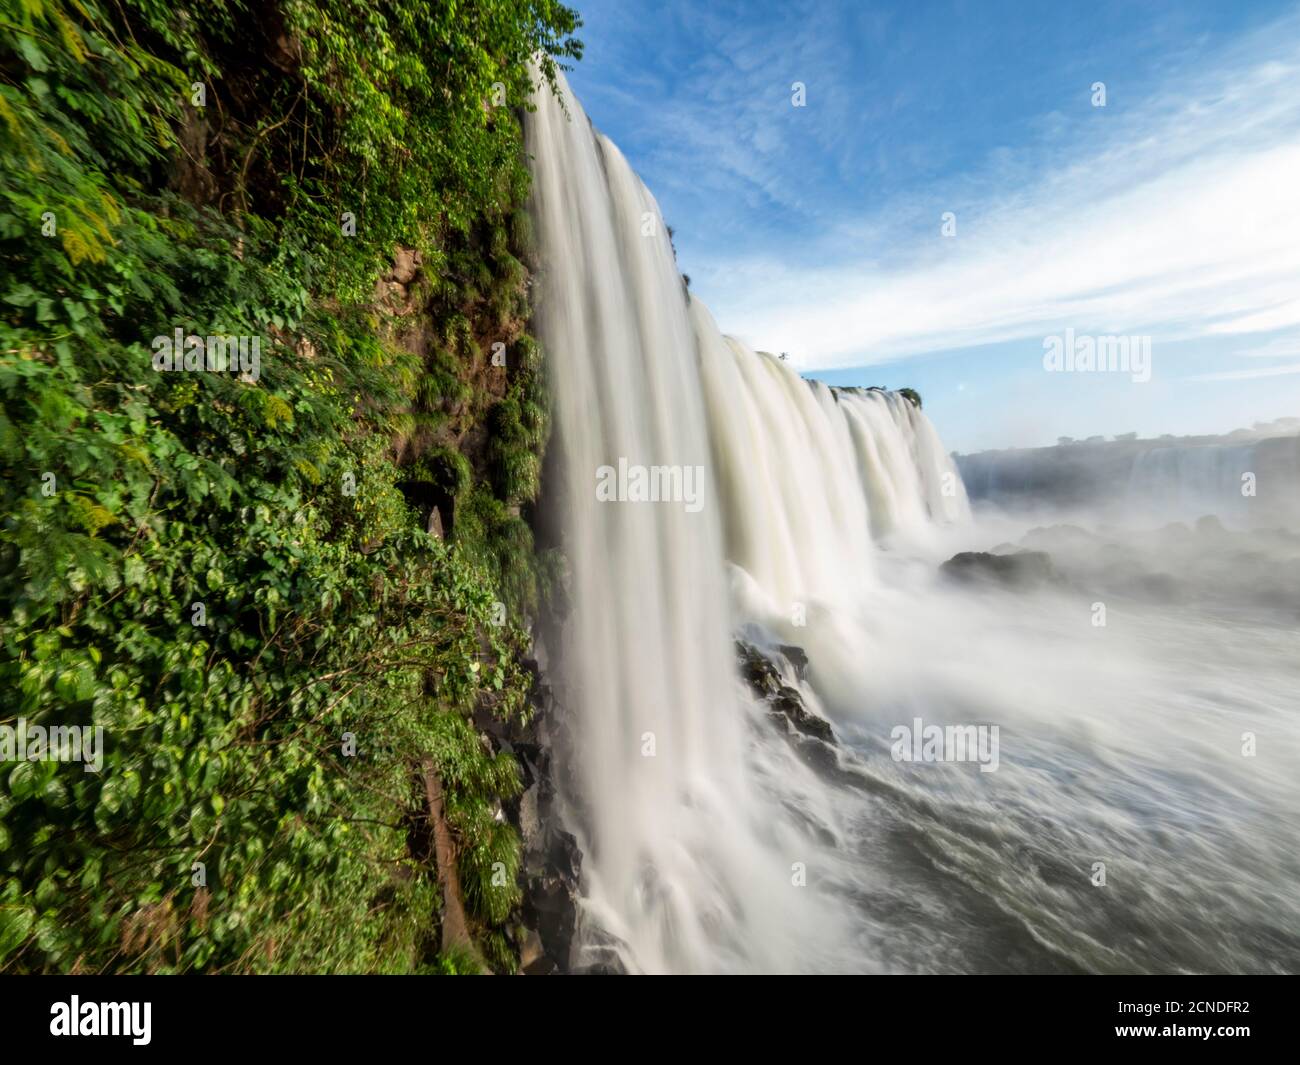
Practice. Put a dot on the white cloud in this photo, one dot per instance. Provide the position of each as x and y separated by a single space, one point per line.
1179 220
1278 348
1277 316
1247 375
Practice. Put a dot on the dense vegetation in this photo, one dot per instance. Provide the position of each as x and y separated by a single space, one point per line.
231 572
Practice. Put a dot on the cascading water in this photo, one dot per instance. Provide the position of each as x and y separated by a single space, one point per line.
712 840
688 856
1144 482
1183 483
810 477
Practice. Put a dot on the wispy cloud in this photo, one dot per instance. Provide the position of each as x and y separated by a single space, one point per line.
1176 217
1248 375
1278 348
1171 212
707 118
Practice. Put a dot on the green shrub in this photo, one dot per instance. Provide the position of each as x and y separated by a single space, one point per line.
515 464
271 736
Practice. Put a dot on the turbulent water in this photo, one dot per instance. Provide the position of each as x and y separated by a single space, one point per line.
714 841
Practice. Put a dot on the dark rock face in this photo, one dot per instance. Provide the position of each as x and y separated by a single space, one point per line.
1159 587
1021 570
550 905
1210 526
784 703
601 955
406 264
552 862
757 671
789 704
797 657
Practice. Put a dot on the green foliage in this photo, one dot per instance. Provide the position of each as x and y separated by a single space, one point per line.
522 240
408 96
130 496
912 396
499 953
501 543
516 468
456 961
445 468
518 427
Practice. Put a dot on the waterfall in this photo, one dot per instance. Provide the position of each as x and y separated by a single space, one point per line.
694 817
1144 482
1182 483
813 479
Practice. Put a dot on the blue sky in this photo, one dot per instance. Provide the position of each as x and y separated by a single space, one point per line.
1172 212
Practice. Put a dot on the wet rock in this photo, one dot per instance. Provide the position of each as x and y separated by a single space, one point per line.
530 821
552 861
1160 587
1022 570
531 952
784 703
798 659
602 954
758 672
551 907
406 264
788 704
1058 538
1211 527
543 965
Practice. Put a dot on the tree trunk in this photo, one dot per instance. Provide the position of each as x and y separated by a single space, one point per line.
455 927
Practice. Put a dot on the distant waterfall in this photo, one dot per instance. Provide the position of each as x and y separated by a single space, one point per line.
1186 482
690 825
1146 482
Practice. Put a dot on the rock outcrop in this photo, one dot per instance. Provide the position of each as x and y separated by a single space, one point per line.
784 703
1024 569
551 869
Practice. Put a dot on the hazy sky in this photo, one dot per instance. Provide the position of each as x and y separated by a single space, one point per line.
1172 212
